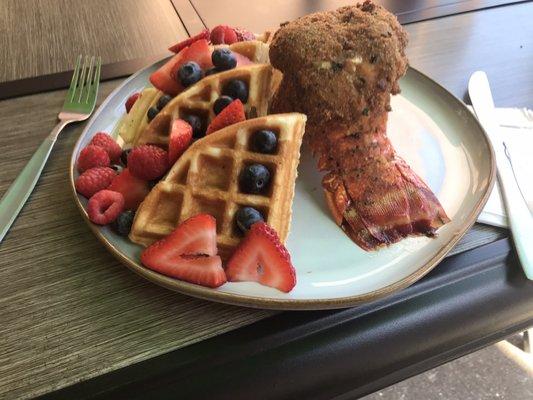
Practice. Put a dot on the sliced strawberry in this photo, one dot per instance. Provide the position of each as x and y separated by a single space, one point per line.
199 52
230 115
188 253
186 43
131 101
242 60
262 258
133 189
180 139
164 80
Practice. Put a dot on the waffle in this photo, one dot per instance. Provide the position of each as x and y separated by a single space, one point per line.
136 121
205 180
199 98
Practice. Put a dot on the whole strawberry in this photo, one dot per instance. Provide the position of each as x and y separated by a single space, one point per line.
93 180
92 156
106 142
148 162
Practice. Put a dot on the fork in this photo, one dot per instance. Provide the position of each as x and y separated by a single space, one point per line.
78 106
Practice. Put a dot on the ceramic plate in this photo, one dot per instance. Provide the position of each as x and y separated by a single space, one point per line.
432 130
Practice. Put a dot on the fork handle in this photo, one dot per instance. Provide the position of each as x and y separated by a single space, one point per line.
16 195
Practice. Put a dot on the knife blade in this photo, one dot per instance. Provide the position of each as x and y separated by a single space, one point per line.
518 215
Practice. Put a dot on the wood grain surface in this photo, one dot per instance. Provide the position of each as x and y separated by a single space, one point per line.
268 14
69 311
40 37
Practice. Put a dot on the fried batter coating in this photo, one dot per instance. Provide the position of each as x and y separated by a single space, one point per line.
340 65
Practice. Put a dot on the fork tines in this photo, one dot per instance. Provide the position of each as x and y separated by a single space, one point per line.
84 84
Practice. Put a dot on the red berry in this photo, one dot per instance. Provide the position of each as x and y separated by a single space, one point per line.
244 35
93 180
187 42
262 258
188 253
106 142
105 206
131 101
180 139
223 34
133 189
148 162
92 156
163 79
230 115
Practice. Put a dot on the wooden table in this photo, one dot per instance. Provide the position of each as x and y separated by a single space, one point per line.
74 323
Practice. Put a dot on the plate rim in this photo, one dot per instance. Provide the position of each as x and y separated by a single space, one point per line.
276 303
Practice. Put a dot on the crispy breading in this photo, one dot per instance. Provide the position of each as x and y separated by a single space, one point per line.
340 65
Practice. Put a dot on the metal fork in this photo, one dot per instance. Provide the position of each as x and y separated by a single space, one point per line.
78 106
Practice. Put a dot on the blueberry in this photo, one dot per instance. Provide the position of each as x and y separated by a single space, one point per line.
254 178
211 71
117 168
198 129
236 89
163 101
152 112
122 225
264 141
124 157
221 103
246 217
223 59
189 73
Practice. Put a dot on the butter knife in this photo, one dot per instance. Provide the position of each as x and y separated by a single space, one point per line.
518 215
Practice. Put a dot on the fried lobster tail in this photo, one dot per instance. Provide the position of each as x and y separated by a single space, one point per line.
340 68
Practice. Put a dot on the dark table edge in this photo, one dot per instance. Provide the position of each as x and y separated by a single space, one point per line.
193 23
317 355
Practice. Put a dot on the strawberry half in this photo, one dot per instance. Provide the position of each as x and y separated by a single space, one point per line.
187 42
188 253
133 189
230 115
164 80
180 139
199 52
262 258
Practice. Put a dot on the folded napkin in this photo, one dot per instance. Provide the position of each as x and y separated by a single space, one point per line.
517 132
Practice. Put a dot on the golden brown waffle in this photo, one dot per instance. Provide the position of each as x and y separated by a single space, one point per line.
199 99
136 121
205 179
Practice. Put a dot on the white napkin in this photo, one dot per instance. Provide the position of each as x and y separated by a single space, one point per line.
517 132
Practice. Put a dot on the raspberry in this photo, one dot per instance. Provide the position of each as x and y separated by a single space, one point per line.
131 101
223 34
105 206
92 156
94 180
106 142
244 35
148 162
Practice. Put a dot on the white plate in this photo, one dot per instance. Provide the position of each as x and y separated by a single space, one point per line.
432 130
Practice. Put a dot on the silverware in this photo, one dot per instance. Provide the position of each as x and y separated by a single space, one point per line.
518 215
78 106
